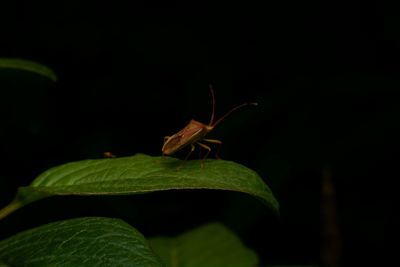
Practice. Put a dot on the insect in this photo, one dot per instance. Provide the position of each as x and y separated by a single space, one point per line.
194 133
108 155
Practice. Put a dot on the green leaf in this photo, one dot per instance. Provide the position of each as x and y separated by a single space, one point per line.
211 245
141 174
79 242
27 65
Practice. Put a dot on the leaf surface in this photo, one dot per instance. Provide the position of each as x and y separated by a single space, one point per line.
79 242
142 174
211 245
27 65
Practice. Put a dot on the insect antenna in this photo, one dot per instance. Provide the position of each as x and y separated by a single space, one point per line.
232 110
213 104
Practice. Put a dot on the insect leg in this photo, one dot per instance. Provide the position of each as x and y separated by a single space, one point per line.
215 141
192 147
208 152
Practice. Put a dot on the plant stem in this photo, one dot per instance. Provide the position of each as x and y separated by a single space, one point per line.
10 208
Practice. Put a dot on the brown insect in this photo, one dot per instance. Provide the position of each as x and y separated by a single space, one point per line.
108 155
194 133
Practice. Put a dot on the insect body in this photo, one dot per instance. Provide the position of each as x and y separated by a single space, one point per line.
194 133
108 155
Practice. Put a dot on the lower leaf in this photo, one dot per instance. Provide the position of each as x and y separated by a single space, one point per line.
211 245
79 242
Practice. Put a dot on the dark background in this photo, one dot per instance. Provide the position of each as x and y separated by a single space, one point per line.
325 75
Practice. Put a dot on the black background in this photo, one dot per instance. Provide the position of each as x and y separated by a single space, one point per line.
325 75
